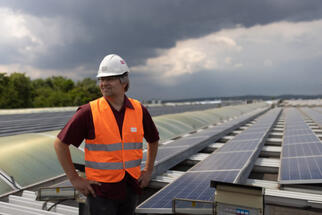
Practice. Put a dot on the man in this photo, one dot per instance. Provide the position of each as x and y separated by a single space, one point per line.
113 127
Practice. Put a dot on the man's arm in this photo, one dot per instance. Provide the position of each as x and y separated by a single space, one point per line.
149 165
64 157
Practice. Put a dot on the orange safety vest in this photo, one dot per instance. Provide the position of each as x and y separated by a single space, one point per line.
109 155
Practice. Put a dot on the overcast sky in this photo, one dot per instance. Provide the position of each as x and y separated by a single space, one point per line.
175 48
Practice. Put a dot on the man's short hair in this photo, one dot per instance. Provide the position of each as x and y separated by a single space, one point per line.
124 79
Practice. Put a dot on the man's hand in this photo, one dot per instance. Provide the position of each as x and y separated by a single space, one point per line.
81 184
149 165
145 178
84 186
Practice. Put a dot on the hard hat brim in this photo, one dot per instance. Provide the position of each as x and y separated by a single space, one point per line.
109 74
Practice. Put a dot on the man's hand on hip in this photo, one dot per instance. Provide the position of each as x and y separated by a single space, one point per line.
84 186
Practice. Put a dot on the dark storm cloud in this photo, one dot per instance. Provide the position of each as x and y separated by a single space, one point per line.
135 29
71 37
233 83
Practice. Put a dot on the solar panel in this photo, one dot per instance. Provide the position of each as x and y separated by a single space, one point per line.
257 129
222 165
301 152
34 122
239 145
199 188
294 132
195 181
294 139
214 130
301 170
188 140
165 152
174 152
224 161
314 114
250 136
318 109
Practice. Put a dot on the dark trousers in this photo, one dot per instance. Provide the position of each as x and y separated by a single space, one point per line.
104 206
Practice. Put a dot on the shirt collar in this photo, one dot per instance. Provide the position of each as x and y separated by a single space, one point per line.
127 102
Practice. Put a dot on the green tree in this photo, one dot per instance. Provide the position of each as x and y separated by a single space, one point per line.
85 91
60 83
52 92
4 81
19 91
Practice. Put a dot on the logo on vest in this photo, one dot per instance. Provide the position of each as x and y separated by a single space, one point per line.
133 129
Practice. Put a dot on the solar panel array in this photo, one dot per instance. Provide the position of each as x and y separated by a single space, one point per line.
35 122
314 114
176 151
319 109
238 154
231 163
13 124
301 161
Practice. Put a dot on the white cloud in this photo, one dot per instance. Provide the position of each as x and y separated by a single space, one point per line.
31 71
17 34
192 55
263 48
14 24
228 60
75 73
268 63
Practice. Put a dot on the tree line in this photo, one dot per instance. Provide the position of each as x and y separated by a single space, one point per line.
19 91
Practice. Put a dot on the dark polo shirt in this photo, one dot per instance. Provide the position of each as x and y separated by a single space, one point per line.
81 127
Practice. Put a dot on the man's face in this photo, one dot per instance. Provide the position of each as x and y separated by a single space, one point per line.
111 86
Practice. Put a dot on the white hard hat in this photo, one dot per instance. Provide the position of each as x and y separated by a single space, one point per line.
112 65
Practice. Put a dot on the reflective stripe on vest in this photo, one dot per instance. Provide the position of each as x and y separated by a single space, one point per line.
113 166
113 147
109 155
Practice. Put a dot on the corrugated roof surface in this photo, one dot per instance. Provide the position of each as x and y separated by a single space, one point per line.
173 125
31 158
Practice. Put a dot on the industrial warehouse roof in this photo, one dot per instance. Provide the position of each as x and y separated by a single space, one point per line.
29 158
303 102
20 121
264 144
174 125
